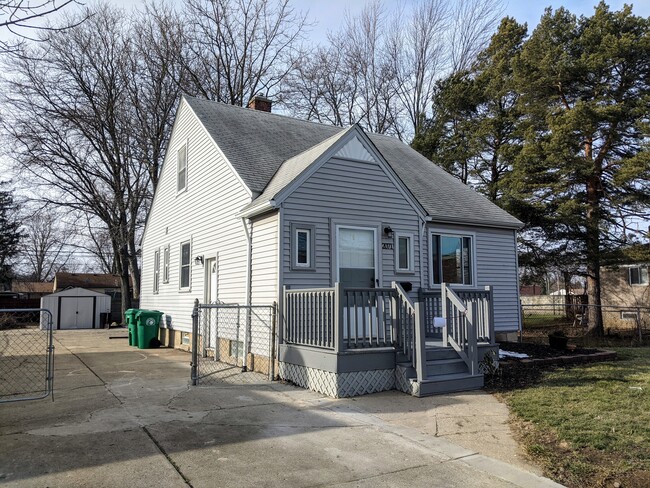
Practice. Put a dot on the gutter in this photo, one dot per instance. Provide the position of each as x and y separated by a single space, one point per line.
249 260
482 223
258 209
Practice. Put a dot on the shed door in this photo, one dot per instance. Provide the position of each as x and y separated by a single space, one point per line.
76 313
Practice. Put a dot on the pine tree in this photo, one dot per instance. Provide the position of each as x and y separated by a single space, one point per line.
9 235
585 166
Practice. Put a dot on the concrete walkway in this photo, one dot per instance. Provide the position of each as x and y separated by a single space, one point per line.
125 417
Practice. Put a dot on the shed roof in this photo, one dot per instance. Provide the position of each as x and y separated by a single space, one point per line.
32 286
85 280
268 150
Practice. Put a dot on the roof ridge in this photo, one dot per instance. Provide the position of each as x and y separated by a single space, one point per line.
264 113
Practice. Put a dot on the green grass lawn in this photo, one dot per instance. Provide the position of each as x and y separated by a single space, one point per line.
590 425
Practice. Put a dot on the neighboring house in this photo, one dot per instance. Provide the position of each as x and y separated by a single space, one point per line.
32 289
250 202
108 284
626 285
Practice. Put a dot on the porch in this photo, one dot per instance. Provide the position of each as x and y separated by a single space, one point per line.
351 341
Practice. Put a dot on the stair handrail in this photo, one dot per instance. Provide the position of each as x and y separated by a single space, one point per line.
415 348
460 328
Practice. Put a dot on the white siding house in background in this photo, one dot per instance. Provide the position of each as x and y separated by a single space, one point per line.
256 208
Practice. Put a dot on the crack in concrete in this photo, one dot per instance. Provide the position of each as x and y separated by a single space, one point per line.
378 475
167 457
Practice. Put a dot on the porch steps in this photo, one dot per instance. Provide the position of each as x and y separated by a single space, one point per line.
446 373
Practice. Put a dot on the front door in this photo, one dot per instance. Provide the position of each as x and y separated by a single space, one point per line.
357 257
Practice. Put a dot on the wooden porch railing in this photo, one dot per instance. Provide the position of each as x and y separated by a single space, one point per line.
343 319
468 315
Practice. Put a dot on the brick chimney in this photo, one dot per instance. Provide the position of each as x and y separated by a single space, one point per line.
259 102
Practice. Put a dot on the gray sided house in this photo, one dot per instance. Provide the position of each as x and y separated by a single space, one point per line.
387 272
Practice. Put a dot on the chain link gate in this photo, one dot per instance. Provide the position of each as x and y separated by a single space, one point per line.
233 343
26 354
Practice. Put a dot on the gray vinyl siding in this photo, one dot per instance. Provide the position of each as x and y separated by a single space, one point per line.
264 260
347 192
496 265
205 214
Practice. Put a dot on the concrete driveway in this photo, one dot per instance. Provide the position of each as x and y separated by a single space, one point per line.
127 417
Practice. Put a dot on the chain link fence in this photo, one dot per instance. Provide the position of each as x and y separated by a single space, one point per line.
617 319
26 354
233 344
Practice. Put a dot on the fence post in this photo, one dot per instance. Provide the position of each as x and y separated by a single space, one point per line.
638 324
274 314
195 342
490 305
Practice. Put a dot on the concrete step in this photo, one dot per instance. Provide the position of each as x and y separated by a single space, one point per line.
446 366
450 383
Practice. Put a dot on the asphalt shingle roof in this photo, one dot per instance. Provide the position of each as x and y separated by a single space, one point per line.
269 150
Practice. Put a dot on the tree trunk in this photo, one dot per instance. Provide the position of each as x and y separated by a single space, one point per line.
592 238
135 269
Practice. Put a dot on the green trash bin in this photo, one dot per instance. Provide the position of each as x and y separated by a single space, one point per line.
129 315
148 323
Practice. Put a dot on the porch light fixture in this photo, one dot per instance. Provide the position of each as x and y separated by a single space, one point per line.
388 231
199 260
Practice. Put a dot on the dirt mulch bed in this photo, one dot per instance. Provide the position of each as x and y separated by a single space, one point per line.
514 373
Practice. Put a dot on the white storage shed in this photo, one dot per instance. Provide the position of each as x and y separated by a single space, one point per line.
77 308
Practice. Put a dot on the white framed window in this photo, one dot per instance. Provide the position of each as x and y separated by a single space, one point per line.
628 315
166 264
403 252
452 259
185 267
302 247
156 270
638 275
181 168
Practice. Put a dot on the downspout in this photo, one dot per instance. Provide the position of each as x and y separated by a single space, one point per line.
249 263
280 309
249 260
422 270
520 324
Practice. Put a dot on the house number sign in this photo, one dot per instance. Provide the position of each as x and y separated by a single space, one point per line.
387 245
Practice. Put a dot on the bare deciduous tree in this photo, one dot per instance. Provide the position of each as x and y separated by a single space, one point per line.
237 48
82 125
23 17
45 244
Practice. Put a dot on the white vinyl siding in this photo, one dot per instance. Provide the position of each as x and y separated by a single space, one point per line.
350 193
264 260
207 213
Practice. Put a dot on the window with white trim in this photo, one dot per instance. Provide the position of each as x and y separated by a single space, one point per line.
166 264
403 252
638 275
185 266
629 315
451 259
302 246
181 168
156 270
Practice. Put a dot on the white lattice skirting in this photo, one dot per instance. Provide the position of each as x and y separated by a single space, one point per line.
339 385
